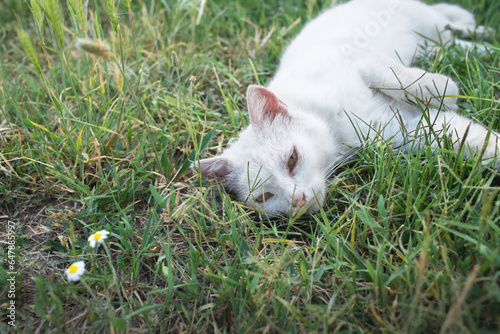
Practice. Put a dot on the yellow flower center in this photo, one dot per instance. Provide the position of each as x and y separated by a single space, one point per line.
97 236
72 269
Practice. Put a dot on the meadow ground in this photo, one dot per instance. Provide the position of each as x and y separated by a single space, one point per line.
98 136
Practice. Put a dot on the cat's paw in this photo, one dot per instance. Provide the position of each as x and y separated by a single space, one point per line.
437 90
492 150
470 31
484 33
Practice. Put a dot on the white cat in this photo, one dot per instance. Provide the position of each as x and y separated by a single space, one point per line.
343 79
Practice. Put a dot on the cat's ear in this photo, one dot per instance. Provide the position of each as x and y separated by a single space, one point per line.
264 105
218 168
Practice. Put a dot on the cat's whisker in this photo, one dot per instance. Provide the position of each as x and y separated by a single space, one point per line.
332 167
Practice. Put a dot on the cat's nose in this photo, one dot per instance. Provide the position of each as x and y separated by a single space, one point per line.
299 199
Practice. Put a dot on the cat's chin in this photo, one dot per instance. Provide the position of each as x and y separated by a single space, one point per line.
288 210
294 212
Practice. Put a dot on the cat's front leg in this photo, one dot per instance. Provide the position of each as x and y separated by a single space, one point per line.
466 135
408 85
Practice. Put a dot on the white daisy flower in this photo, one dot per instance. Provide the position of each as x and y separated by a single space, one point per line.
98 238
75 271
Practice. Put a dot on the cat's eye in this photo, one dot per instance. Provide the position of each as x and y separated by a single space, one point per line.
264 197
293 160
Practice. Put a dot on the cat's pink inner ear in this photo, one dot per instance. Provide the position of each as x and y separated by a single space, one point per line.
214 168
263 104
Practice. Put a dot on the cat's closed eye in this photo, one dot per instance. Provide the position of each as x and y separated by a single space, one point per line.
293 160
264 197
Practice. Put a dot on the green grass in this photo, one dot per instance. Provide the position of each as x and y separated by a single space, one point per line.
406 243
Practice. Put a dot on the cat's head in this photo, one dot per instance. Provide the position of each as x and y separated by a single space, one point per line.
279 162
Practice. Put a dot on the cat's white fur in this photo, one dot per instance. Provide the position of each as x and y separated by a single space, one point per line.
344 77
